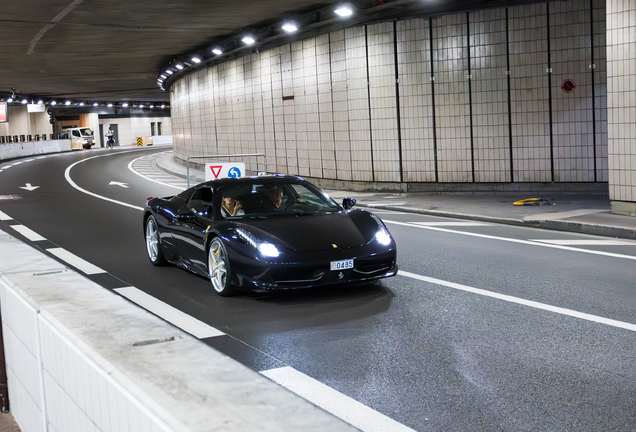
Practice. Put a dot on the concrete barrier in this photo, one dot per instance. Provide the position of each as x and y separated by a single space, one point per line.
80 357
21 149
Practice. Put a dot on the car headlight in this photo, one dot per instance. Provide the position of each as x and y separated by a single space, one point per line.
266 249
382 236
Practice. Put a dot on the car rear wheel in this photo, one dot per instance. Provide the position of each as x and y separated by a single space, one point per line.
219 268
153 242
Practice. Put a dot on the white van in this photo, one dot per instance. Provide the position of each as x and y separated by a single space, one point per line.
81 137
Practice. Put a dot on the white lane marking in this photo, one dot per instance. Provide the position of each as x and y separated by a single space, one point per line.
67 174
331 400
120 184
455 224
174 316
383 203
5 217
75 261
609 242
527 242
28 233
130 167
530 303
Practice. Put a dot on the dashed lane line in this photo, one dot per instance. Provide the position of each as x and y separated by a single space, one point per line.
28 233
185 322
5 217
511 240
75 261
350 410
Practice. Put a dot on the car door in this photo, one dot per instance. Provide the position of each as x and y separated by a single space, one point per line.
190 226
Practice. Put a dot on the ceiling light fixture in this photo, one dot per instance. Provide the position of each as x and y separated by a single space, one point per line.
179 66
10 100
217 51
109 105
68 102
24 101
344 10
196 59
53 103
248 40
125 104
96 104
169 72
289 27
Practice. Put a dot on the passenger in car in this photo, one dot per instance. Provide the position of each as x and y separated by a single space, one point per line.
231 207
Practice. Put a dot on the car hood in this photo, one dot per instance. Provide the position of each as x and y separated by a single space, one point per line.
338 230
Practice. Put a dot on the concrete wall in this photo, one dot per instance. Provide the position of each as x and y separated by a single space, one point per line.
14 150
621 104
329 107
82 359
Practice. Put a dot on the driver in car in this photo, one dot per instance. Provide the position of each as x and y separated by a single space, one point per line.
275 199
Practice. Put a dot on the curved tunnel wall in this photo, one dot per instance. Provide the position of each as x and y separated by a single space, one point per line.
416 100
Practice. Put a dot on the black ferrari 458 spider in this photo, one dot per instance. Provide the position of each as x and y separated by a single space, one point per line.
267 233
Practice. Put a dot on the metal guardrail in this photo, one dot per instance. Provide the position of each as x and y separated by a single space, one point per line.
224 156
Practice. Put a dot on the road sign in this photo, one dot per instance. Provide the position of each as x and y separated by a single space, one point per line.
568 85
224 170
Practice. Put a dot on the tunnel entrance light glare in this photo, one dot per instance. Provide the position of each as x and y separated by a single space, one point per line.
289 27
217 51
344 11
248 40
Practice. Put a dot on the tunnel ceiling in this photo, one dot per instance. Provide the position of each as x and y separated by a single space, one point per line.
112 50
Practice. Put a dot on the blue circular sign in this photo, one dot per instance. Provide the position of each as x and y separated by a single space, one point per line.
234 172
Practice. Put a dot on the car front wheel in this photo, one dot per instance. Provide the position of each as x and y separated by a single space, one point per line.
219 268
153 243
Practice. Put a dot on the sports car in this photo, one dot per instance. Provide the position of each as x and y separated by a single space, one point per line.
266 233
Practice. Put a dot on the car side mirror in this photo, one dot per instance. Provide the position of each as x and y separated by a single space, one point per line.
348 203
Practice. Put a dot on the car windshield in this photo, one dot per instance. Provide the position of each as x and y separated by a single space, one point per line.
263 198
86 132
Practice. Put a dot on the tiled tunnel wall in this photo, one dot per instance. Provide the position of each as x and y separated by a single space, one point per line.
470 97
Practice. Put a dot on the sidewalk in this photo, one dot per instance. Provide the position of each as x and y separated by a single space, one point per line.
565 211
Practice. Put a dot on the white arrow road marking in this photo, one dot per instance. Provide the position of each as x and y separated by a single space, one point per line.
114 183
29 187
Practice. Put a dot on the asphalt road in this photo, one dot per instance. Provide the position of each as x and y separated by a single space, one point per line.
486 328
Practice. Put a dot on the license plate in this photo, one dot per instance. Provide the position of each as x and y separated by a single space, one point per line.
342 265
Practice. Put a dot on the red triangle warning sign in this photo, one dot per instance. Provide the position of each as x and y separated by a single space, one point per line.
216 170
